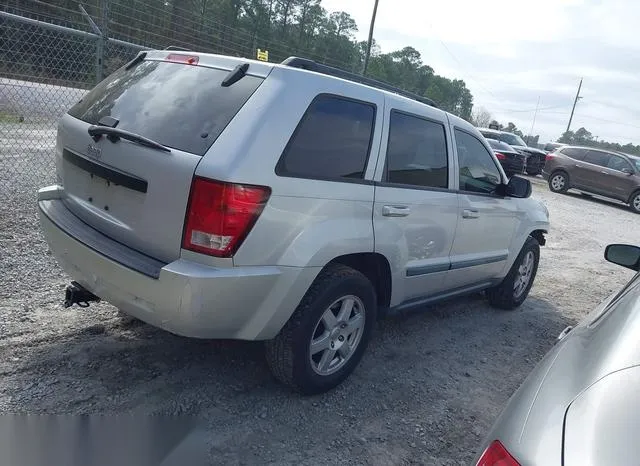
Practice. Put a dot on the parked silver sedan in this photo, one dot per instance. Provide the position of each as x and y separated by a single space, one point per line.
581 404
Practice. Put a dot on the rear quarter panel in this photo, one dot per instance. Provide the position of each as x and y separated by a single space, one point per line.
306 222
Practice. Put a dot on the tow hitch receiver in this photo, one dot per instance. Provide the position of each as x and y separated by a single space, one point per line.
76 294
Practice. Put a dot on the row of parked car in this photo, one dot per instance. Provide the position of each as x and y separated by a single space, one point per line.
515 156
611 174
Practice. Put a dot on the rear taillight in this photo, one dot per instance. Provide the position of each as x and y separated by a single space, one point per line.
220 215
550 156
500 156
496 455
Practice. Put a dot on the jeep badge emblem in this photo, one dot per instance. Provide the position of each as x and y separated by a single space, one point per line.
93 151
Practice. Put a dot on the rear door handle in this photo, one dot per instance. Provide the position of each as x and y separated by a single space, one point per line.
395 211
469 213
604 172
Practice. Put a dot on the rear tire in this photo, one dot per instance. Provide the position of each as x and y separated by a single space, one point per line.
325 338
634 202
515 287
559 182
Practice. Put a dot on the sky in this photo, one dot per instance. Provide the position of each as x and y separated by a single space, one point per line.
510 53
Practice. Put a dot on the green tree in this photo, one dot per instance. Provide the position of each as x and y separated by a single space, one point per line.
232 27
512 128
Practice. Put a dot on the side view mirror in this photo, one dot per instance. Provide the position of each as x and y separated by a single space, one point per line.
628 171
625 255
518 187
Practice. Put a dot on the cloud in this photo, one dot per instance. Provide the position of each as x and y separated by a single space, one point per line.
510 53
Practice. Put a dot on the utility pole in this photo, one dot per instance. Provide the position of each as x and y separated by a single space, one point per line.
368 54
574 105
534 121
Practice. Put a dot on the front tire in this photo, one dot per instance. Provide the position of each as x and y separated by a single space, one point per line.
515 287
325 338
559 182
634 202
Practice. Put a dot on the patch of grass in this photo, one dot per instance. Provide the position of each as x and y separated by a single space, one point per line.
7 117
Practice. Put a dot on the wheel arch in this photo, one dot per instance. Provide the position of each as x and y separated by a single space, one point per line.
375 267
538 235
633 193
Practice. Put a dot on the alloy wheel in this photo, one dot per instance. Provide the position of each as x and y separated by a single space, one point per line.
337 335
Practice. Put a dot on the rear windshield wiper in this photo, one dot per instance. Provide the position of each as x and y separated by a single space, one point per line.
115 134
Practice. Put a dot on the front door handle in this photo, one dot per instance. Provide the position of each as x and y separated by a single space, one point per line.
604 172
469 213
395 211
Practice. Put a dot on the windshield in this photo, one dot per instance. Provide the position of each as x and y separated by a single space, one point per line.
512 139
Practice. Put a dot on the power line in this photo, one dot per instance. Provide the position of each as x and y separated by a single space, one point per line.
462 66
539 110
609 121
616 105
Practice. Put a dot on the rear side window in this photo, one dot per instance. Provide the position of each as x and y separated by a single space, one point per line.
332 141
577 154
417 152
180 106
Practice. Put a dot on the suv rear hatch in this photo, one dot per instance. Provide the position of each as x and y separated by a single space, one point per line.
166 110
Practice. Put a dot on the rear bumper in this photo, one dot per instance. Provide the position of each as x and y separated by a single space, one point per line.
185 298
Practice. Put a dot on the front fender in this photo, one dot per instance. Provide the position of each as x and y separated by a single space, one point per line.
535 218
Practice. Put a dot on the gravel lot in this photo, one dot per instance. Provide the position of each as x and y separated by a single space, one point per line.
427 390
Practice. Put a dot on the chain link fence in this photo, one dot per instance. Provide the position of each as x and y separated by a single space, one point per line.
44 70
50 56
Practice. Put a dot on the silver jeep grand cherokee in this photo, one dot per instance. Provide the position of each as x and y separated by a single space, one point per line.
218 197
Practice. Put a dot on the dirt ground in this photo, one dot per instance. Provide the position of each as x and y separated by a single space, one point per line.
426 392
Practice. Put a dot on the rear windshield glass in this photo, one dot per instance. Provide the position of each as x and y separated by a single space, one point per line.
180 106
512 139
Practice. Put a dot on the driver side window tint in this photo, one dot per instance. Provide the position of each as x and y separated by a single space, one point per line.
618 163
478 171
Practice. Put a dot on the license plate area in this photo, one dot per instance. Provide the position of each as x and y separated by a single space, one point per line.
99 191
110 174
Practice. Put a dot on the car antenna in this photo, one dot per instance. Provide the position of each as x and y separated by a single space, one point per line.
235 75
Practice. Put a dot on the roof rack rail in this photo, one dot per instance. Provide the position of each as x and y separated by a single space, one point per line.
310 65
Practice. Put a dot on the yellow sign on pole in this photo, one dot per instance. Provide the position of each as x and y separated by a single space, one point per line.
263 55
